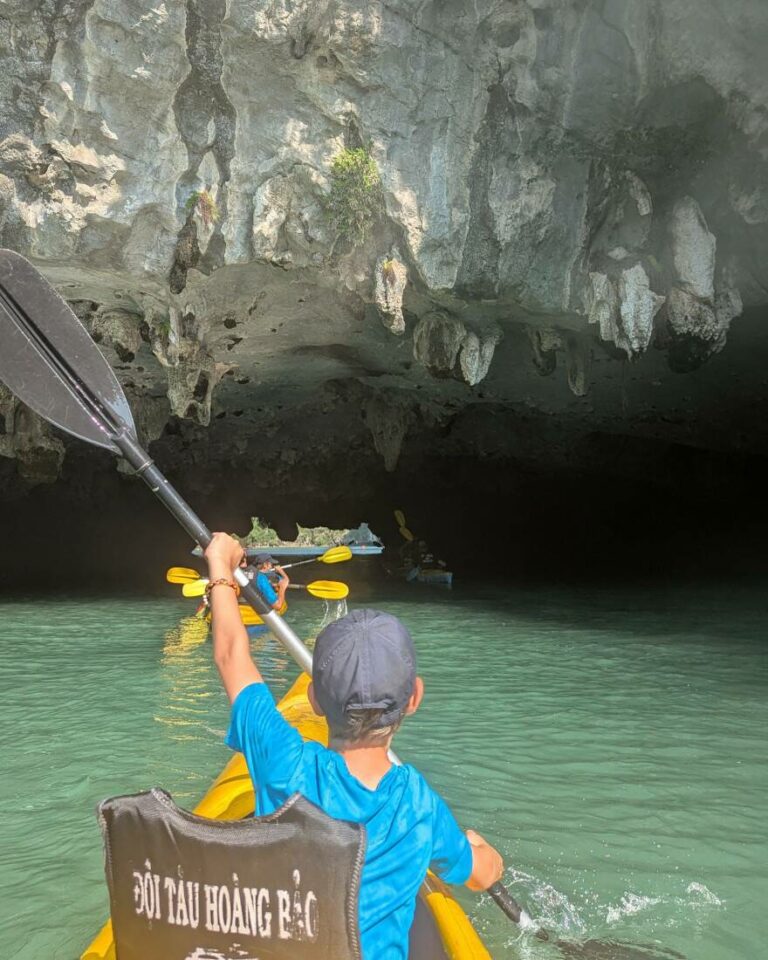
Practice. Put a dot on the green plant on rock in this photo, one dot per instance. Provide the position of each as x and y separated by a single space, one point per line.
161 325
261 534
265 536
355 201
320 536
203 203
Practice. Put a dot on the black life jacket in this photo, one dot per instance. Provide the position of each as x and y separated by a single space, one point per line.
183 887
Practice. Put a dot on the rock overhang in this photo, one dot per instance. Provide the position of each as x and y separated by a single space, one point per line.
572 201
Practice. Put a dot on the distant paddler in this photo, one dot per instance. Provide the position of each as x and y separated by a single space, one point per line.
258 572
264 564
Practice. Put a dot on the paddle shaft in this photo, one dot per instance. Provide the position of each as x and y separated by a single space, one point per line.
331 555
298 563
506 901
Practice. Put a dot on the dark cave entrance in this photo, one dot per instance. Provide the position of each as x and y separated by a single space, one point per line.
660 513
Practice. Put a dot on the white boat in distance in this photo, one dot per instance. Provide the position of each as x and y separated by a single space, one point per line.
361 541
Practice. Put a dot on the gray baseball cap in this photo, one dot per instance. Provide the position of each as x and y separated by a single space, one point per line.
264 558
364 661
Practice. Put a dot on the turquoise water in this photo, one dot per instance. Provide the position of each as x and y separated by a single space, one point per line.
612 745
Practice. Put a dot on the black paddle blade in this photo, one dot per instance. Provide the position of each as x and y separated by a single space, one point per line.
48 360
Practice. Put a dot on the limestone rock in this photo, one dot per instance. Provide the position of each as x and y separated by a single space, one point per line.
28 439
624 316
444 345
544 343
527 152
640 194
120 329
688 315
150 415
289 226
191 383
485 153
391 279
728 306
602 306
638 306
623 214
693 249
751 204
476 354
579 360
437 339
388 418
699 326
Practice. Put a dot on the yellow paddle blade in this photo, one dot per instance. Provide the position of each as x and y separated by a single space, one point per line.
406 534
336 555
328 589
400 518
194 589
181 575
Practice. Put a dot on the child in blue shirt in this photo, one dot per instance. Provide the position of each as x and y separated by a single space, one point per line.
364 682
264 563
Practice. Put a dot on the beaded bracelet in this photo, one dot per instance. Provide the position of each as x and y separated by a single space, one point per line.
222 581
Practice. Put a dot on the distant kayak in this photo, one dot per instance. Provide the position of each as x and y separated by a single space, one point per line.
435 575
247 614
358 550
313 550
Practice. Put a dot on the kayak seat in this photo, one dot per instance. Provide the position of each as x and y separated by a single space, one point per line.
184 887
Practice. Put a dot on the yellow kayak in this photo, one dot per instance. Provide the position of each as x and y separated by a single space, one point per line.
247 614
441 929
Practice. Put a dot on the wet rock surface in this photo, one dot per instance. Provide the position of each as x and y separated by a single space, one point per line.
573 231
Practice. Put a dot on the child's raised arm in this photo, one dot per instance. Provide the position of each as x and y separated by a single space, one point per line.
231 649
282 586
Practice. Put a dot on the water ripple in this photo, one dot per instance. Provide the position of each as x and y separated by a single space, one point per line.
611 745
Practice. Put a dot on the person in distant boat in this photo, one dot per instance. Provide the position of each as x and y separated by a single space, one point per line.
426 557
264 564
410 553
416 553
364 682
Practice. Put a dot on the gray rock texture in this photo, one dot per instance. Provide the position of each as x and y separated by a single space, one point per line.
574 179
